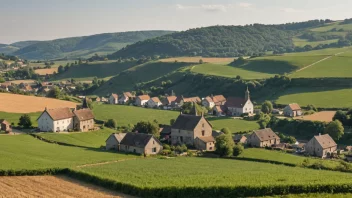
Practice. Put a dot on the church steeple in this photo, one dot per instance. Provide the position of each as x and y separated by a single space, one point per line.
247 96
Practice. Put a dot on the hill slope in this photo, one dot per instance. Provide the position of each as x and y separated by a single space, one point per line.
84 46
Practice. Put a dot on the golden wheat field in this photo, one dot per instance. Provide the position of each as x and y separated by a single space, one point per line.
45 71
14 103
51 186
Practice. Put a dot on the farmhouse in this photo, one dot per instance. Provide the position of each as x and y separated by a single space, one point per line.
263 138
219 110
83 120
5 125
239 138
154 102
140 143
205 143
114 140
56 120
181 100
292 110
211 101
169 101
142 100
321 146
188 127
113 99
238 106
125 97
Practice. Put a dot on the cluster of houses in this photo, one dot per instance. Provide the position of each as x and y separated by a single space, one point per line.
218 105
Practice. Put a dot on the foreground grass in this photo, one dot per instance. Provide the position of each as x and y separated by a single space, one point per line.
315 195
25 152
93 139
205 172
14 117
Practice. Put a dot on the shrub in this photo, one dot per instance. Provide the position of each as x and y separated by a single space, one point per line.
224 145
226 130
111 123
238 149
25 121
166 147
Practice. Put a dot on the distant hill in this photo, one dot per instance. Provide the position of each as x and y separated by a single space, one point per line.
84 46
22 44
9 49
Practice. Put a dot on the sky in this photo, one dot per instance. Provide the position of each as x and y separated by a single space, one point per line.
51 19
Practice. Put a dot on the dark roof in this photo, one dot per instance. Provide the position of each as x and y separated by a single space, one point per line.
166 130
139 140
235 102
186 122
266 134
216 134
118 136
84 114
238 137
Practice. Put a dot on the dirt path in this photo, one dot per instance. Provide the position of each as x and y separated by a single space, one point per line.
51 186
319 61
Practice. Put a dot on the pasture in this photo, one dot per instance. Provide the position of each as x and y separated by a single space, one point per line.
14 117
235 125
93 139
14 103
196 59
324 97
211 173
303 42
25 152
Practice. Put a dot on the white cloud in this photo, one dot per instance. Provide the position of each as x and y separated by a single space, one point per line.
291 10
245 5
183 7
215 8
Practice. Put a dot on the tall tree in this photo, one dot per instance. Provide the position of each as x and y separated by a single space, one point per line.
335 129
267 107
147 127
224 145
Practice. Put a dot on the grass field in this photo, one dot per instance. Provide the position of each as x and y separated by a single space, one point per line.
196 60
319 96
235 125
303 42
14 117
337 25
189 172
17 82
14 103
313 195
25 152
85 139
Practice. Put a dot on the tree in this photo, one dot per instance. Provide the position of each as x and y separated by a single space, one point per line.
267 107
54 93
290 139
335 129
238 149
226 130
148 128
264 120
224 145
200 61
111 123
172 121
60 69
66 68
25 121
340 116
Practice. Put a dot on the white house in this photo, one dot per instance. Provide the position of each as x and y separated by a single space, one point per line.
238 106
56 120
142 100
154 102
292 110
113 99
211 101
125 97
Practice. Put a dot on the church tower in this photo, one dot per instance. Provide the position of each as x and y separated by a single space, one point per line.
247 97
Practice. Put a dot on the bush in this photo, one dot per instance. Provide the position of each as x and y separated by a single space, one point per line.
166 147
224 145
111 123
165 152
226 130
25 121
238 149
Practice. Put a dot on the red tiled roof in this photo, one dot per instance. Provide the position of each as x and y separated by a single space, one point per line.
325 141
171 99
219 99
115 96
84 114
294 107
128 94
156 99
60 113
144 97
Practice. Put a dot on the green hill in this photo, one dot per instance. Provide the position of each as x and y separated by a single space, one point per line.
84 46
9 49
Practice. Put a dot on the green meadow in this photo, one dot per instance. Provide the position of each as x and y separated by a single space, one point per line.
303 42
14 117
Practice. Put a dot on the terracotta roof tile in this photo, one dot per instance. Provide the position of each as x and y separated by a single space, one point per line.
219 99
84 114
144 97
294 106
266 134
325 141
156 99
115 96
60 113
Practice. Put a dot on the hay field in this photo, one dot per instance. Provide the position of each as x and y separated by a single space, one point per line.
14 103
17 82
51 186
323 116
45 71
196 59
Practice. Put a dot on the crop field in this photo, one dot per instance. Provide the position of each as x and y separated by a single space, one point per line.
50 186
17 82
14 117
93 139
190 172
323 116
14 103
44 72
235 125
303 42
57 64
196 59
324 97
258 68
26 152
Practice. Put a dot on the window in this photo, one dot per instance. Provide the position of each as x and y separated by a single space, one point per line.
154 150
153 142
203 132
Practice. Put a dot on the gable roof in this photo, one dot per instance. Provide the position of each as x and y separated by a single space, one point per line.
166 130
143 97
59 113
192 99
219 99
206 139
127 94
156 100
209 99
171 99
84 114
294 107
325 141
139 140
3 121
115 96
238 137
235 102
266 134
118 137
187 122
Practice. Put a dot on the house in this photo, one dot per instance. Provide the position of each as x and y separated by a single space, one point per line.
321 146
5 125
263 138
169 101
219 110
140 143
239 138
205 143
113 99
97 99
125 97
83 120
105 100
56 120
188 127
238 106
211 101
292 110
114 140
165 132
142 100
181 100
154 102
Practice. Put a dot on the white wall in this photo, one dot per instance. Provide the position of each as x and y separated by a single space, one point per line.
45 123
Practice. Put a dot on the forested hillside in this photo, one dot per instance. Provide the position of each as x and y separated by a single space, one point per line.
84 46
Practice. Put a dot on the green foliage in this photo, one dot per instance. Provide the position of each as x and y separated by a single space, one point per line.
264 120
226 131
111 123
25 121
311 107
238 149
224 145
54 93
172 121
267 107
335 129
148 128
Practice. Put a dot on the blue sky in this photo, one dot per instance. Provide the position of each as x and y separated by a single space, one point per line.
51 19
